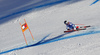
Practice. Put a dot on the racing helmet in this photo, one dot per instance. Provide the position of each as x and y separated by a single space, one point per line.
65 22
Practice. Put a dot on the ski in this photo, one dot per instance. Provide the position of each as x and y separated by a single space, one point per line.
73 30
69 31
81 28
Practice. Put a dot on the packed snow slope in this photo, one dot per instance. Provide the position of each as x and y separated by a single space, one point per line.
10 10
46 24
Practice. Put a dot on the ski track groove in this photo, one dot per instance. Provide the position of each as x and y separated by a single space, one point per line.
94 2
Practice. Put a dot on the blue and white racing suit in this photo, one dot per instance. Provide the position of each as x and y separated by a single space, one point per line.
70 26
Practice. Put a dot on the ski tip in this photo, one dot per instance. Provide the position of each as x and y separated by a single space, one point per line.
88 26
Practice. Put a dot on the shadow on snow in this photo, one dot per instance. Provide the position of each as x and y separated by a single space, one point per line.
9 14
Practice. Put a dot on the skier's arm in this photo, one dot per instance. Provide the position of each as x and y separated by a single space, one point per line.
73 25
67 27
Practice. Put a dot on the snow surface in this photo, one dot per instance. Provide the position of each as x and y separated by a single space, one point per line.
45 19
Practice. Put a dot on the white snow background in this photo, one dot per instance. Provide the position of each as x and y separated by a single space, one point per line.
45 19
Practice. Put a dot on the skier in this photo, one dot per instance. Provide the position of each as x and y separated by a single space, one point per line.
69 25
